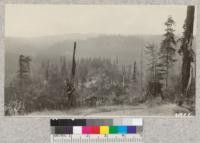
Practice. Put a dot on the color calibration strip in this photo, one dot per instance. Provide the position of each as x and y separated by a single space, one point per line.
96 126
96 122
95 129
128 130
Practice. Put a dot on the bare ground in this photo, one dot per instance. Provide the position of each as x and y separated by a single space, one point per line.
120 110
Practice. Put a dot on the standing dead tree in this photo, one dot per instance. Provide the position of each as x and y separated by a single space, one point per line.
73 64
135 72
24 68
24 81
24 74
70 86
141 71
19 89
188 54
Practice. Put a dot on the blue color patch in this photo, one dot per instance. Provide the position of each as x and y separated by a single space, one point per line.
131 129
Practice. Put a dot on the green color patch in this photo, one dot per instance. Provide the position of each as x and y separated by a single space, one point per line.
113 130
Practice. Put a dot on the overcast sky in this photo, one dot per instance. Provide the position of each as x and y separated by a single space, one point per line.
43 20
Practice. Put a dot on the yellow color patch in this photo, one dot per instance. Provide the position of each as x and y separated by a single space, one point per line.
104 130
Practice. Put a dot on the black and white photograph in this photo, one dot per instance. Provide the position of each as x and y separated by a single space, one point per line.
100 60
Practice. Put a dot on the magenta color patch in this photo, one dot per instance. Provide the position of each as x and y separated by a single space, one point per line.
86 130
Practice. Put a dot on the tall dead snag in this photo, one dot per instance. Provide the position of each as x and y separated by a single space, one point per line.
73 64
24 73
141 71
23 82
135 72
70 87
24 68
187 53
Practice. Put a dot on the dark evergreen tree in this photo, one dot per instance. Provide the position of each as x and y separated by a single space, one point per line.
167 51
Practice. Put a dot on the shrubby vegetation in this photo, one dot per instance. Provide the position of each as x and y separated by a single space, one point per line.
98 82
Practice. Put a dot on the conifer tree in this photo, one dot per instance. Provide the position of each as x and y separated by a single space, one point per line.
151 51
167 51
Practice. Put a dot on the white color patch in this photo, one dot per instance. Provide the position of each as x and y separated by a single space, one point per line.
132 121
77 130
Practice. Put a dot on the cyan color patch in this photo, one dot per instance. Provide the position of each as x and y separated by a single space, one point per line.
122 129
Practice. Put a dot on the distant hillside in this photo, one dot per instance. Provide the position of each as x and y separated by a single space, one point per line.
126 48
